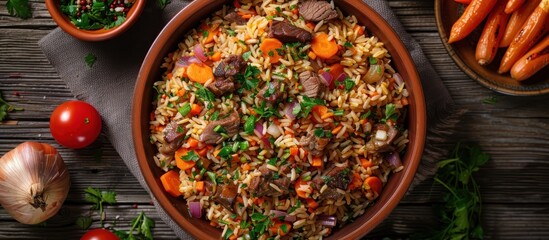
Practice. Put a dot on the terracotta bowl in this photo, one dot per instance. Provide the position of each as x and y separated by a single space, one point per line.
189 18
93 35
463 54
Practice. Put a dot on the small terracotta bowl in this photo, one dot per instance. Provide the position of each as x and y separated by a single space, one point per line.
189 18
463 54
65 23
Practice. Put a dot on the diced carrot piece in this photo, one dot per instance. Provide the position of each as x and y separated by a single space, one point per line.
193 143
317 162
232 237
181 92
216 56
300 193
181 164
373 183
327 115
171 182
320 110
359 29
311 55
312 203
202 152
199 186
239 199
294 151
169 76
211 34
259 201
235 158
199 73
366 163
310 25
268 48
277 228
195 109
337 129
295 11
246 167
247 16
356 181
336 70
322 47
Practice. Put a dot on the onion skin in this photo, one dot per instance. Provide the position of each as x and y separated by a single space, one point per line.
34 182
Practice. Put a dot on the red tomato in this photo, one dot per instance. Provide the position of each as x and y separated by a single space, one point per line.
99 234
75 124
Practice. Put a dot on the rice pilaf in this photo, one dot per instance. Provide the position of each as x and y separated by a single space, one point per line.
277 120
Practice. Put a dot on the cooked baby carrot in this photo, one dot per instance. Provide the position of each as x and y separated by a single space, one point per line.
533 61
269 48
473 15
323 47
516 21
533 29
492 33
171 182
199 73
195 109
373 183
513 5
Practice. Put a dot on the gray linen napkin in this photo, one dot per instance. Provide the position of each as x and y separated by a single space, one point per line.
109 84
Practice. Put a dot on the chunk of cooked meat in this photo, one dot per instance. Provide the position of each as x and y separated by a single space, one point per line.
314 144
229 125
288 33
225 195
230 66
222 85
261 185
234 17
271 92
172 137
312 85
386 144
317 11
334 177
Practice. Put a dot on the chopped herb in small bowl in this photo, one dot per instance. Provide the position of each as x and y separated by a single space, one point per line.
95 20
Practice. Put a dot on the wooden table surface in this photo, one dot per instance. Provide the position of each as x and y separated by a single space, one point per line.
514 131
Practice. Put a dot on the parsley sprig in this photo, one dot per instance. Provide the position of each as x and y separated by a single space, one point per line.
5 108
98 197
460 215
141 228
19 8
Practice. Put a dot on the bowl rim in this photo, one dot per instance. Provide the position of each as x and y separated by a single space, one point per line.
470 72
64 22
392 200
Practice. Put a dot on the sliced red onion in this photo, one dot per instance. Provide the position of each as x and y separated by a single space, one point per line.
279 214
199 52
289 110
195 209
326 220
327 79
398 78
259 129
186 61
393 159
341 77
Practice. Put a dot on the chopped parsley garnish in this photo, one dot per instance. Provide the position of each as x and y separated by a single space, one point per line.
347 84
348 44
246 55
179 129
191 156
308 103
373 60
219 129
306 178
212 176
249 125
270 90
232 33
490 100
264 111
260 224
205 34
90 59
249 79
214 116
272 161
390 113
339 112
229 231
319 132
185 109
366 115
278 9
205 95
271 53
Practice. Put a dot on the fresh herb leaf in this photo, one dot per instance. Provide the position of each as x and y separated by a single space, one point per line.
90 59
214 116
490 100
191 156
348 44
373 60
141 228
249 125
366 115
162 3
308 103
339 112
390 113
19 8
5 108
84 222
205 95
228 233
246 55
232 33
212 176
98 197
249 79
185 109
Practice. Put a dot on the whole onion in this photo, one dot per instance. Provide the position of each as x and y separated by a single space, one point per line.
34 182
